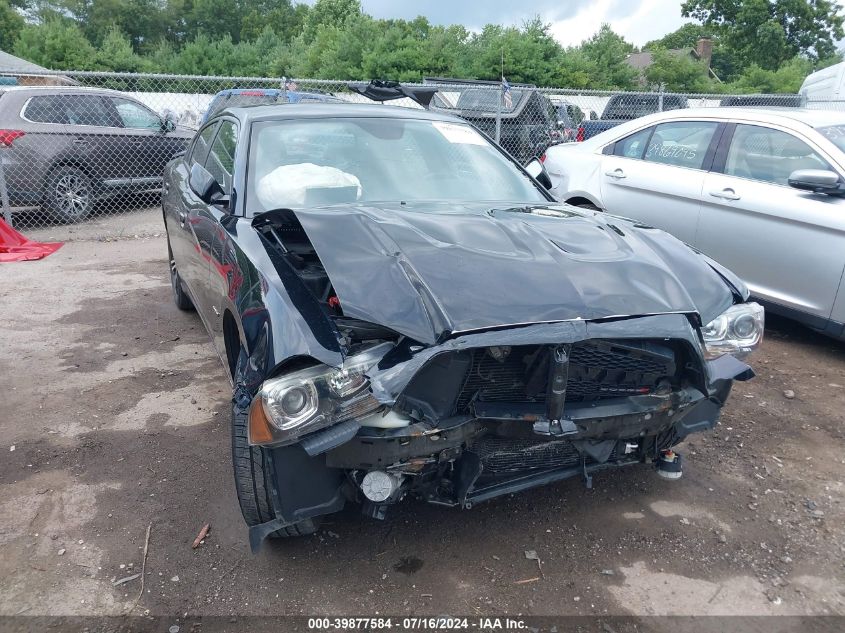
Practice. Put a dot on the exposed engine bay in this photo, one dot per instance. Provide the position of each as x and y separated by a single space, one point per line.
287 242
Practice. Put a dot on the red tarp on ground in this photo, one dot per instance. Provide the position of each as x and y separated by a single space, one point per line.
14 247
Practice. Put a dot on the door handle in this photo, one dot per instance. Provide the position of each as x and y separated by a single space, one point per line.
80 141
725 194
616 173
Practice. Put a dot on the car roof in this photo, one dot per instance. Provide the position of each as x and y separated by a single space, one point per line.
284 111
240 91
60 89
813 118
790 117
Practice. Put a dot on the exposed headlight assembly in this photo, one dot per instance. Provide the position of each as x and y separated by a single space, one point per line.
737 331
304 401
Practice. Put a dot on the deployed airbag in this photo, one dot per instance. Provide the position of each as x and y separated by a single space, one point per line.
306 184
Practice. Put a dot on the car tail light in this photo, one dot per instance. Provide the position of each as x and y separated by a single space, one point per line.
543 157
580 136
7 137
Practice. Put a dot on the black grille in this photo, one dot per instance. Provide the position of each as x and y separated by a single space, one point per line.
597 370
505 455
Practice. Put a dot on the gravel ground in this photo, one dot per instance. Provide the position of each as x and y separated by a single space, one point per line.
114 417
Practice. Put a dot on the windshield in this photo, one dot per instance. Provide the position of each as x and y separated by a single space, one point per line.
318 162
488 100
835 134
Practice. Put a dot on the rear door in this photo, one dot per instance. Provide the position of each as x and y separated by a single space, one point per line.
787 245
655 175
77 128
96 138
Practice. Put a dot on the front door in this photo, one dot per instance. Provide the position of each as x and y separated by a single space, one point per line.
145 142
787 245
656 175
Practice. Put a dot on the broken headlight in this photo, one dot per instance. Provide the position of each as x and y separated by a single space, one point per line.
303 401
737 331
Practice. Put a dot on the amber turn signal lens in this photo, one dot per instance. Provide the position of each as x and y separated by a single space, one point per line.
259 425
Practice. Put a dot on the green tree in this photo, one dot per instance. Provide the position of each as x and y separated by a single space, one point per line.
677 71
608 51
531 55
116 53
11 23
769 32
285 19
685 37
786 80
330 13
57 44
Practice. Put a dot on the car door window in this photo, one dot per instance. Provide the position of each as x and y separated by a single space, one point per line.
87 110
69 110
48 109
769 155
200 149
633 146
681 143
221 158
134 115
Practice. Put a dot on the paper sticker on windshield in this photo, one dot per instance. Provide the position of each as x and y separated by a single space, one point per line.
461 134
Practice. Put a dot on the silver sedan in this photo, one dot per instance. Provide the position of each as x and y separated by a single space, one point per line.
761 191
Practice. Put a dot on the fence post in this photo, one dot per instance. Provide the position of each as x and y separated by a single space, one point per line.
500 93
4 196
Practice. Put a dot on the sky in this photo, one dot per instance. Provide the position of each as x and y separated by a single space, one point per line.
639 21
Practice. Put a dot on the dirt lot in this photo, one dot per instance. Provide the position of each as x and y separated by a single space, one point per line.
114 416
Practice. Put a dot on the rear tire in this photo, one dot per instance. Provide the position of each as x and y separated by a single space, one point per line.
69 194
252 482
180 297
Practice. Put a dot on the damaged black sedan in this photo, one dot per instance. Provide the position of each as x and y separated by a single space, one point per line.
403 310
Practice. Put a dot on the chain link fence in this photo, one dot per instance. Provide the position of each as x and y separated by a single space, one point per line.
83 153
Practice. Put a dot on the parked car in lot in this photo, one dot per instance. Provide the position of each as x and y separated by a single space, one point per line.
763 101
403 310
234 97
629 106
527 126
569 118
64 148
760 191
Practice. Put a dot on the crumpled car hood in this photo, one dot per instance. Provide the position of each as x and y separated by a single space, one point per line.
431 270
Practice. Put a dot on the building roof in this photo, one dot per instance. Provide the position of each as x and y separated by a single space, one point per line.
643 60
16 64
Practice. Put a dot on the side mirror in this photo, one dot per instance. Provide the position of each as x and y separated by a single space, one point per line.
168 124
817 181
538 172
205 186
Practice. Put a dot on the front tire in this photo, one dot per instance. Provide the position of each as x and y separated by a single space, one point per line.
252 482
69 194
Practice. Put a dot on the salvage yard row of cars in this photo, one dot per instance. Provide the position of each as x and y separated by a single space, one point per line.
403 307
66 149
